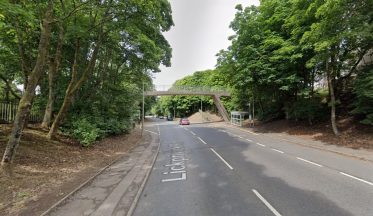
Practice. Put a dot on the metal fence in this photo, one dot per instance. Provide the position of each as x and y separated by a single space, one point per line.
8 113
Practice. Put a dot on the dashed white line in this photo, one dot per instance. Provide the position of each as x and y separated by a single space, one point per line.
240 137
316 164
221 158
261 144
249 140
192 133
359 179
277 150
273 210
202 140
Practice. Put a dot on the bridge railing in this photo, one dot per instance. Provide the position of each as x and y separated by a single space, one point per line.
191 89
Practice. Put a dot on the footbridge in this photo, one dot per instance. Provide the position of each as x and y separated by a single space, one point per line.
214 92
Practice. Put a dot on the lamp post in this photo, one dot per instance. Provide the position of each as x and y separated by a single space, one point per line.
143 108
202 111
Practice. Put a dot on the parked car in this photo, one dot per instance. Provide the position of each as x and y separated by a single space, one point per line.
170 118
161 117
184 121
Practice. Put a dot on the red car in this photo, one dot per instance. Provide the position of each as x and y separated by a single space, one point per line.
184 121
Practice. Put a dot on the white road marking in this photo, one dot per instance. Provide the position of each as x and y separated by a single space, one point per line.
240 137
183 177
192 133
221 158
273 210
261 144
173 172
150 131
359 179
277 150
316 164
249 140
232 134
202 140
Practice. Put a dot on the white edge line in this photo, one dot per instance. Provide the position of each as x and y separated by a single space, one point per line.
221 158
274 211
277 150
151 131
359 179
202 140
261 144
316 164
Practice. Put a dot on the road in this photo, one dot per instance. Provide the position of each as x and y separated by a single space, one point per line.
206 170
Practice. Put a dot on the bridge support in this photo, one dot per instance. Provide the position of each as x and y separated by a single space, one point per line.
223 112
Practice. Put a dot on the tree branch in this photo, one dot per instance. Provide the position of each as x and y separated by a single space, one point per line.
9 87
353 68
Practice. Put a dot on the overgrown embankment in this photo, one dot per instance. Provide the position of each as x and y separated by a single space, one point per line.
45 171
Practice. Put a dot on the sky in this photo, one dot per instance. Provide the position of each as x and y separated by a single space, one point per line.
201 30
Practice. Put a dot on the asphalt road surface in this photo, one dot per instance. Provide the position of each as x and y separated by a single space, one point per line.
206 170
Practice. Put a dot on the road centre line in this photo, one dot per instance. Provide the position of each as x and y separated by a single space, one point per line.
316 164
192 133
277 150
249 140
202 140
359 179
273 210
221 158
261 144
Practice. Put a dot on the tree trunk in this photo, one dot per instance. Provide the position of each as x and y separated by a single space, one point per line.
24 64
74 85
330 78
53 68
25 102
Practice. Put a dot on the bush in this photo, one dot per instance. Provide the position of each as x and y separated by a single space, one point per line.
114 126
307 109
85 131
270 112
88 129
363 88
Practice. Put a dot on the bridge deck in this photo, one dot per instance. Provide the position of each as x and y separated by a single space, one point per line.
180 92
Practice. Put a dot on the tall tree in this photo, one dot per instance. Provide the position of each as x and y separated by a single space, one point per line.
27 97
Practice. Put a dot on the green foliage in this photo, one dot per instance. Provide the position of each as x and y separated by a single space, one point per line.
281 49
187 105
305 109
85 131
364 96
131 48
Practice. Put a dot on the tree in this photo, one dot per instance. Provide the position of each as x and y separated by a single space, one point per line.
27 97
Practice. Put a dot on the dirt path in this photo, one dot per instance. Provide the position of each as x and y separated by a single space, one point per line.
45 171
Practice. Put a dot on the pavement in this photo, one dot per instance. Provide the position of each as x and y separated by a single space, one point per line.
115 190
207 169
